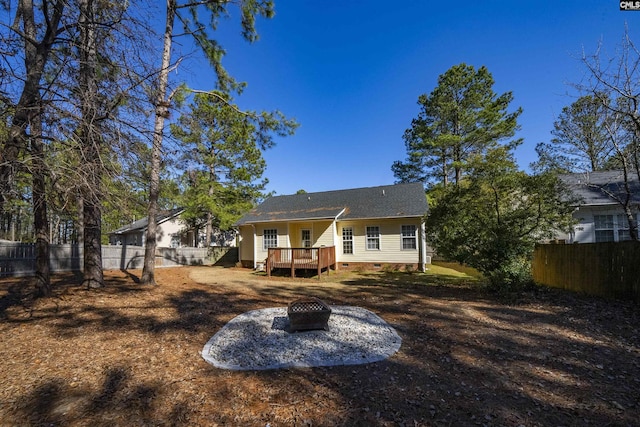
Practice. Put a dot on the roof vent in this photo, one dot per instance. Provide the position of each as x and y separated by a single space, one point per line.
308 197
383 193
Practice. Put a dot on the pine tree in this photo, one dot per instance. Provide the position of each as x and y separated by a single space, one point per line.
460 118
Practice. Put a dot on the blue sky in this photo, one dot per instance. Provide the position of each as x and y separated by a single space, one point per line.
350 72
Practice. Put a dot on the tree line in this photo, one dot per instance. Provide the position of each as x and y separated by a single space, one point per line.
86 93
85 90
484 211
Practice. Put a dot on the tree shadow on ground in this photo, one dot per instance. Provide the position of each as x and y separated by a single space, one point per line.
466 359
120 400
21 292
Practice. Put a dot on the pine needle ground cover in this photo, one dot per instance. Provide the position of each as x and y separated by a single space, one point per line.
131 355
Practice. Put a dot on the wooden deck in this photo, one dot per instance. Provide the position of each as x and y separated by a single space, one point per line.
301 259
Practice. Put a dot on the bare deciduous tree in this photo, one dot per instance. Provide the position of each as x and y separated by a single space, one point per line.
615 83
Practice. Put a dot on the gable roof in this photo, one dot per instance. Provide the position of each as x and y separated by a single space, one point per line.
387 201
597 188
141 224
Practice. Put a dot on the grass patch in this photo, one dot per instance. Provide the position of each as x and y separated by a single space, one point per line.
436 274
454 269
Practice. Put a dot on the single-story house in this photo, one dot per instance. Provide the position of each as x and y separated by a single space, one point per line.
599 214
357 228
172 232
169 235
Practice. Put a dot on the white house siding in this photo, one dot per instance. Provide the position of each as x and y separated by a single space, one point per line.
390 251
584 231
167 230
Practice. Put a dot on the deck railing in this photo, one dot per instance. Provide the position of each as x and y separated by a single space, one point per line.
301 258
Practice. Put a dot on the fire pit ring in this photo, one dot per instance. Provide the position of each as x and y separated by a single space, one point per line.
308 314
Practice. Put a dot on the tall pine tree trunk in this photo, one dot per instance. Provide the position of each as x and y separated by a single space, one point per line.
209 228
162 109
28 115
36 55
39 199
91 138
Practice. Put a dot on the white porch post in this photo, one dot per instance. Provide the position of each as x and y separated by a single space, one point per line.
334 231
255 246
423 247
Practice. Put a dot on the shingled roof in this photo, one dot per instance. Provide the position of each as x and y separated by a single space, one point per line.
142 223
597 188
387 201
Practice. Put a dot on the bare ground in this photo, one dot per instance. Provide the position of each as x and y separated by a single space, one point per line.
130 355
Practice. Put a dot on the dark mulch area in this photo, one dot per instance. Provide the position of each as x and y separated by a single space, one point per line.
130 355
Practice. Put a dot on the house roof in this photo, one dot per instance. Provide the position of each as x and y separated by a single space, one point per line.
141 224
387 201
602 187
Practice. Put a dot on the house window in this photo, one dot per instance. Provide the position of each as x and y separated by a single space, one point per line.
611 228
604 228
306 238
373 238
409 237
270 238
623 228
347 240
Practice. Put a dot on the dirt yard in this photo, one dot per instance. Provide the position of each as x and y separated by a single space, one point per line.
130 356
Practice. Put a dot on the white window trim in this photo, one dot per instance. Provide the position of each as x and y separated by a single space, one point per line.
366 238
353 246
616 225
264 240
414 237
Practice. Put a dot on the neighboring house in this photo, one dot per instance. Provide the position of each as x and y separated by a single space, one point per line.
169 235
362 227
600 217
172 233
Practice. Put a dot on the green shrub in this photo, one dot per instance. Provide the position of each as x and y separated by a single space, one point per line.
511 276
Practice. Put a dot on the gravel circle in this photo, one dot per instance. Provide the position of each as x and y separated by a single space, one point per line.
259 340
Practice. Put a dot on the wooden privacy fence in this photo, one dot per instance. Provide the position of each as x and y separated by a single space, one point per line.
18 259
606 269
301 258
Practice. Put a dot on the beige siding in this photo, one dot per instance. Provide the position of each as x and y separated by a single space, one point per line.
283 238
390 242
246 243
323 234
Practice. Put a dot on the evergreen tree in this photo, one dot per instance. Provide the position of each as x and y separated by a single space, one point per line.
460 118
223 156
581 142
494 217
189 15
